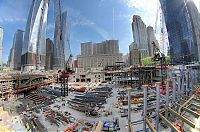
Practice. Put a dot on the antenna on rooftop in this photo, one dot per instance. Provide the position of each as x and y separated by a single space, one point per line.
113 22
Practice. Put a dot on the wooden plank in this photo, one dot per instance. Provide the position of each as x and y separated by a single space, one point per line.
188 110
99 126
193 104
169 123
184 119
153 129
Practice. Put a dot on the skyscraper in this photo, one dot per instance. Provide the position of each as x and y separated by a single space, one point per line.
1 41
34 46
180 30
195 22
9 58
140 36
49 54
61 38
17 49
151 38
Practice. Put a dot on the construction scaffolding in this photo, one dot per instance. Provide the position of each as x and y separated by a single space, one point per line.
181 98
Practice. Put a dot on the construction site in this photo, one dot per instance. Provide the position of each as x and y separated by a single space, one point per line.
136 99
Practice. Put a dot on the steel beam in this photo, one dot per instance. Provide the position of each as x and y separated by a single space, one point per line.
195 114
152 128
169 123
184 119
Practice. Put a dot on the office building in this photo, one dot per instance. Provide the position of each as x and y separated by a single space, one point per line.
1 45
87 48
140 36
17 50
61 38
126 59
34 46
195 23
49 54
105 47
99 55
9 62
151 38
134 54
180 25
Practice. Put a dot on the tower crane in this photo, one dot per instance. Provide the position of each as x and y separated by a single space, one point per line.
160 13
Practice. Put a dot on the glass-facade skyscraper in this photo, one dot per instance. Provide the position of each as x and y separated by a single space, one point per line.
180 32
61 46
34 46
195 22
17 49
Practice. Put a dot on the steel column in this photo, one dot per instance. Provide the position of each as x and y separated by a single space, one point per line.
183 84
174 89
129 108
157 103
179 87
187 81
167 97
145 106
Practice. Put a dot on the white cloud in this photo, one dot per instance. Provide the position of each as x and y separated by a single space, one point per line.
145 8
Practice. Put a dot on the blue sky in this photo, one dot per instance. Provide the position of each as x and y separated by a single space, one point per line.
90 20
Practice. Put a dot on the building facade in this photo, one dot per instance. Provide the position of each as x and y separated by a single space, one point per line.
17 50
195 23
105 47
134 54
99 54
178 19
61 38
95 75
140 36
10 60
34 46
1 41
151 38
49 55
87 48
